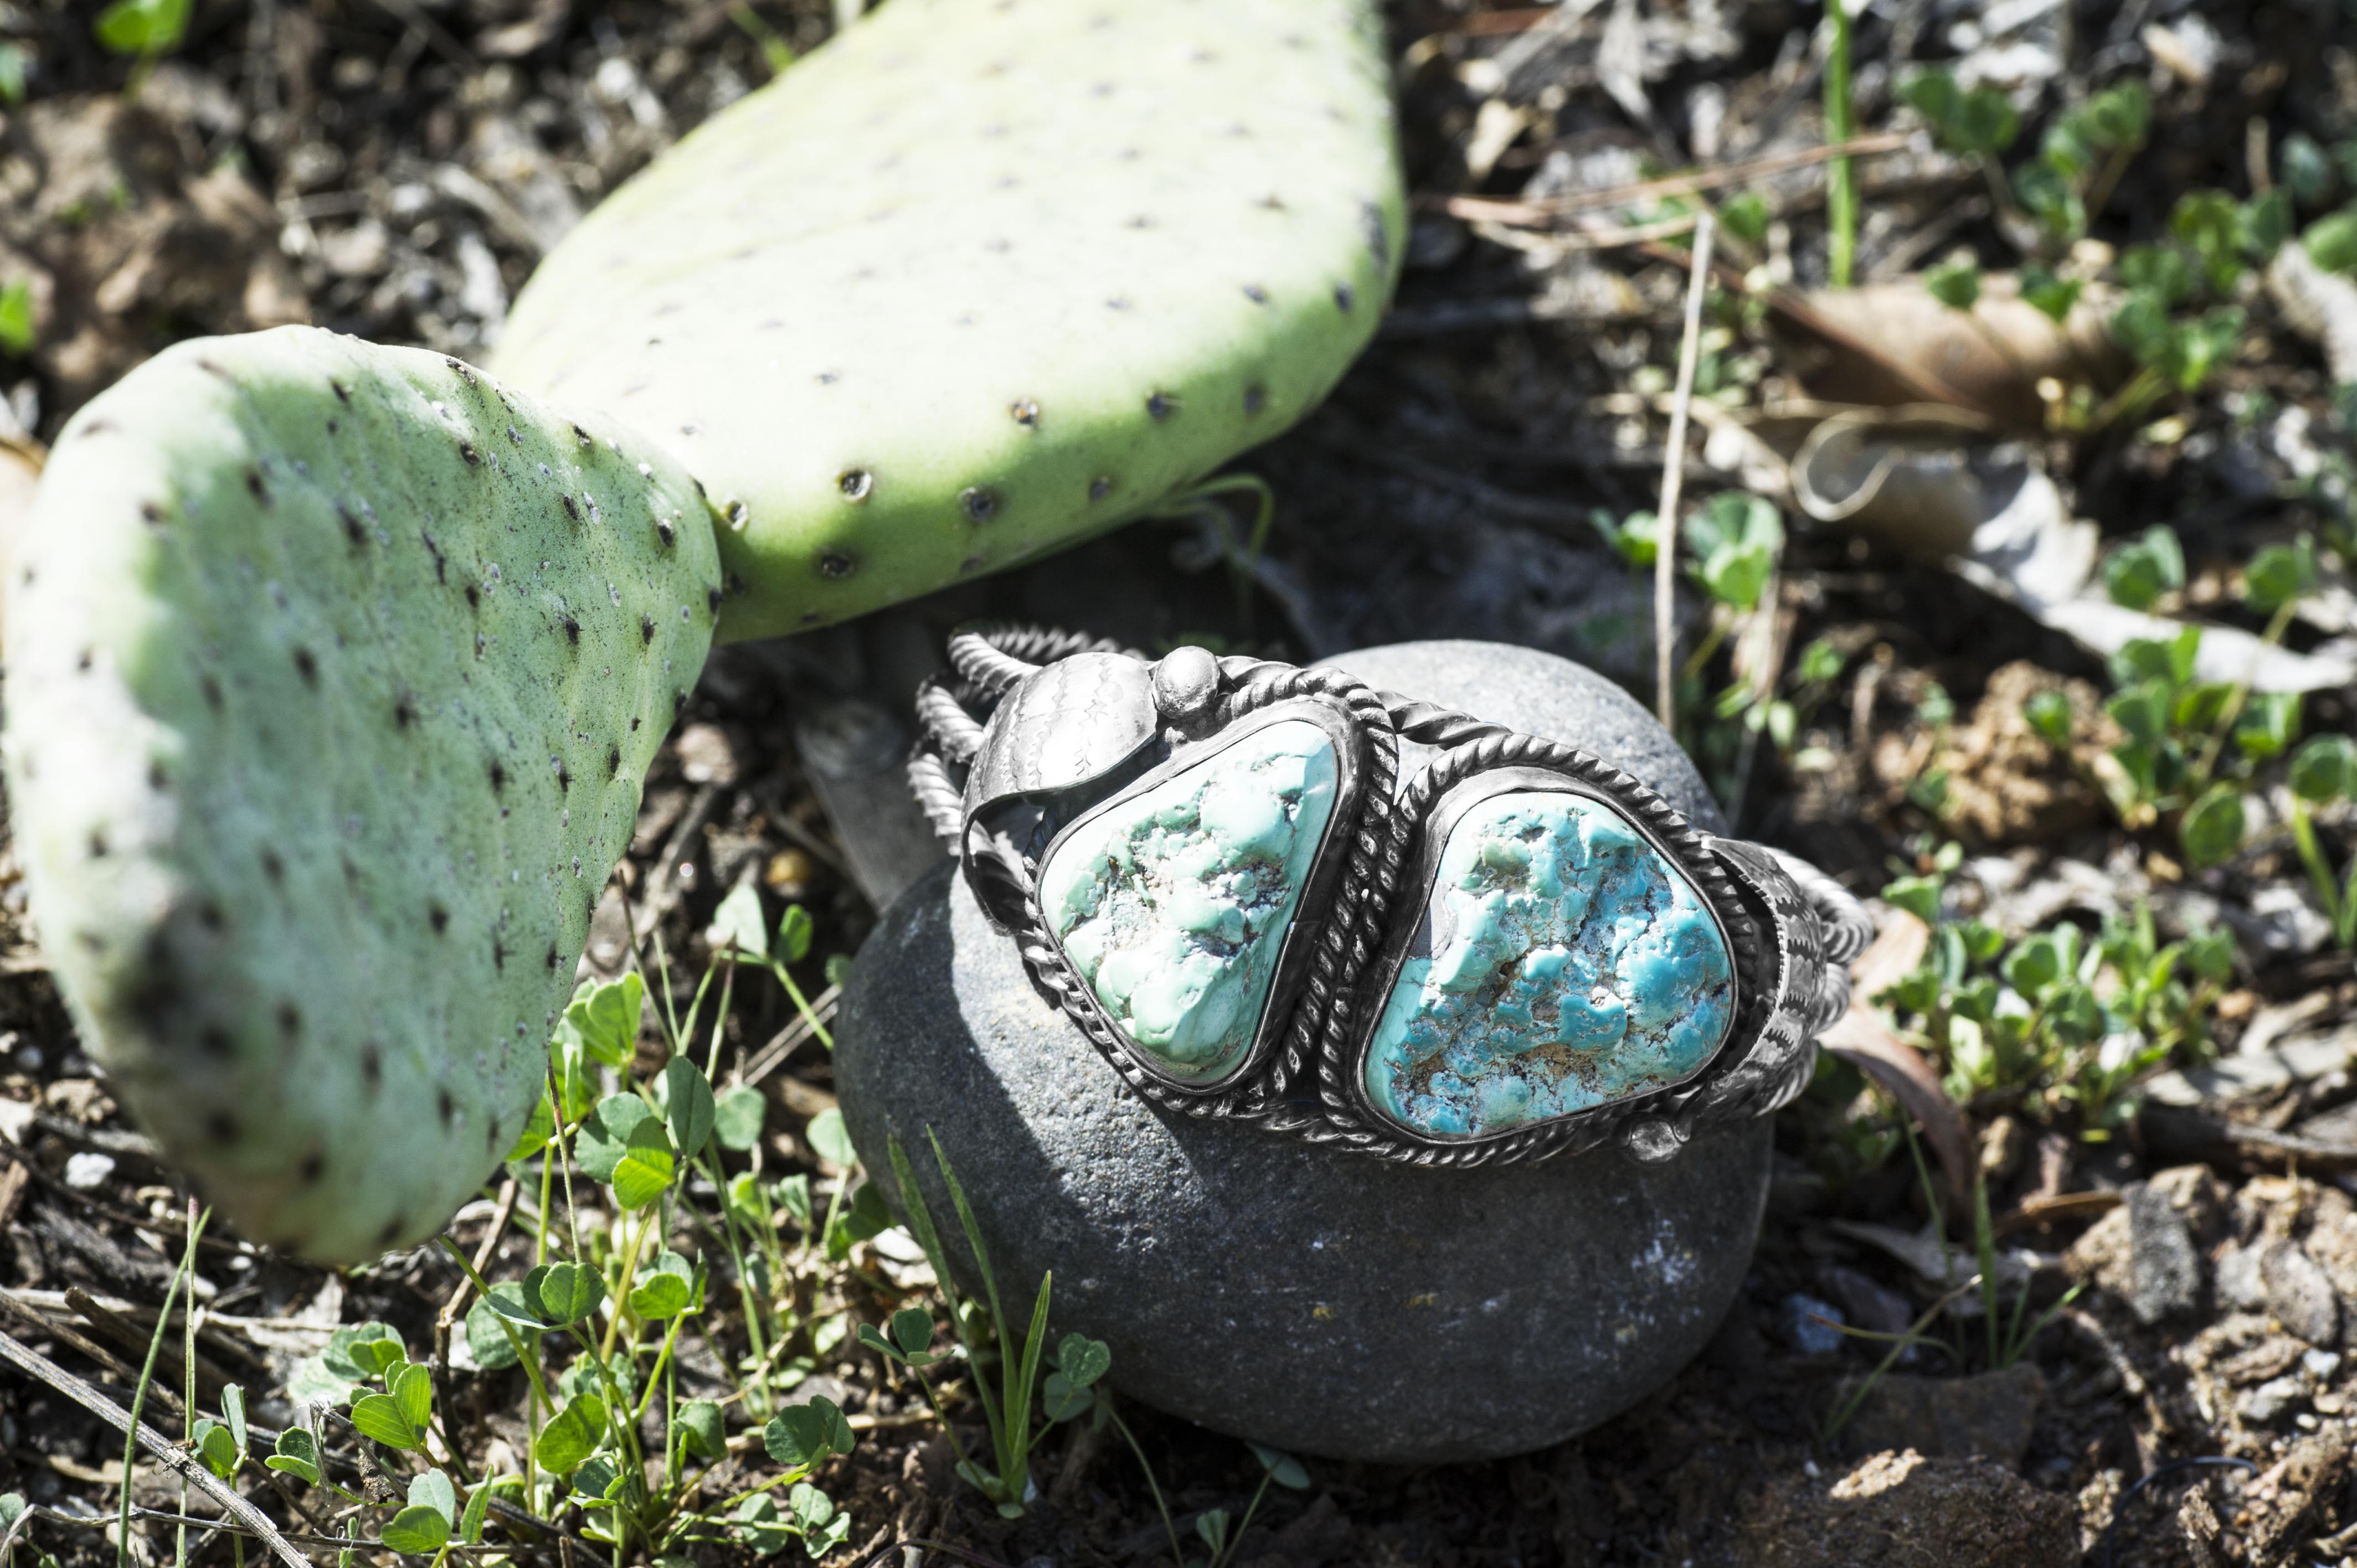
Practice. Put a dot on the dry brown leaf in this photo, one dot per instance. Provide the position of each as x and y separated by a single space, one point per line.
1889 344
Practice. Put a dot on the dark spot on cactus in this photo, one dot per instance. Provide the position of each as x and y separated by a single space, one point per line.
970 565
499 955
391 1232
572 631
158 779
613 761
582 437
439 918
209 916
343 394
513 439
98 844
272 866
333 427
1162 405
441 574
492 1138
373 1067
712 600
221 1127
835 566
307 666
498 778
151 513
446 1105
474 597
1256 293
646 630
83 661
826 378
351 872
290 1020
355 532
1379 239
737 512
313 1166
467 450
552 959
260 491
212 693
979 504
405 711
1344 298
564 774
1255 398
664 532
697 483
1100 489
678 703
571 509
634 724
1025 412
856 484
214 1041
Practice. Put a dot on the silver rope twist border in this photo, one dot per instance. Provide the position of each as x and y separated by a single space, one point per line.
1793 929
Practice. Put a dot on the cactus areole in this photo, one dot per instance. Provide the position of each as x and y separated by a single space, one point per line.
334 670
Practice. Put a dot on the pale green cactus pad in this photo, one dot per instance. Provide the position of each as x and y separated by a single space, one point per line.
332 673
980 277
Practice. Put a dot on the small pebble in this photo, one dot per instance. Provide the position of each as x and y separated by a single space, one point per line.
1802 1330
85 1171
2321 1364
2265 1404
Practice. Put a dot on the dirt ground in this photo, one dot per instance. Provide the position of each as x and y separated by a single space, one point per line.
394 169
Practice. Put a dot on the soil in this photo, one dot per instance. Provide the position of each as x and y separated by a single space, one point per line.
394 169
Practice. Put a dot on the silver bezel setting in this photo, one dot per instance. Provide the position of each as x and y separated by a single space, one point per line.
1410 921
1326 869
1790 929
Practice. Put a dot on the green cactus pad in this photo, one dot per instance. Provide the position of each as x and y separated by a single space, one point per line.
333 672
982 277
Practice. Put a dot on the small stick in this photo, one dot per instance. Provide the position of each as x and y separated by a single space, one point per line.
162 1447
1665 526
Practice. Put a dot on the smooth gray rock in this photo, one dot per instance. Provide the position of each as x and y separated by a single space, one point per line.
1321 1300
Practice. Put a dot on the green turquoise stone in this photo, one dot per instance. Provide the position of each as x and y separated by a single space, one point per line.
1570 964
1173 903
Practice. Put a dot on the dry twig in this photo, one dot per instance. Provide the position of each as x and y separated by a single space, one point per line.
1665 527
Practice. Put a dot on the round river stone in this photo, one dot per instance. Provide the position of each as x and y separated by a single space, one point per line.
1297 1295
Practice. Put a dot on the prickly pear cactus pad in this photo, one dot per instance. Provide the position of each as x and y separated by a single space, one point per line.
983 277
332 672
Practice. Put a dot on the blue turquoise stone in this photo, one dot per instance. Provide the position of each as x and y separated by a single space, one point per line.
1570 964
1173 903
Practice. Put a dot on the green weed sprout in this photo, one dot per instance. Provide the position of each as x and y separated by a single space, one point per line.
2056 1020
608 1431
2322 772
2189 749
1004 1365
335 670
145 30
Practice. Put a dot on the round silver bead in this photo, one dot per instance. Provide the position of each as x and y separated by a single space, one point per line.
1185 682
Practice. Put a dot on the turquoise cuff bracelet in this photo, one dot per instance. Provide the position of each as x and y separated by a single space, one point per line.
1277 894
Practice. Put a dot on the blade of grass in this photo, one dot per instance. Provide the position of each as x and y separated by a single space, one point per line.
1841 125
187 1270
